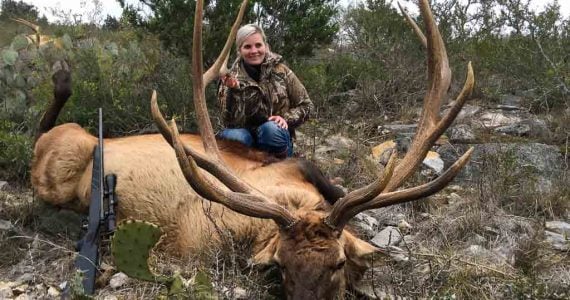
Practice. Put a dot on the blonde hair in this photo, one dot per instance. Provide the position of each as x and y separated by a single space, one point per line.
246 31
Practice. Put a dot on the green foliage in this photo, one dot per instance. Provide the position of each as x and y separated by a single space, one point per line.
117 73
9 57
294 28
16 153
11 8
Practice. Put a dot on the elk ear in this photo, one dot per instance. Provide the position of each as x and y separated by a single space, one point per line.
266 255
359 257
358 251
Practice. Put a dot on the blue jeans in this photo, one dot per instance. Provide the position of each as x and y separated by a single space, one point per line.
268 137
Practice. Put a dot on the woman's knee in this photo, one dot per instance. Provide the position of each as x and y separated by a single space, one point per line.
241 135
272 138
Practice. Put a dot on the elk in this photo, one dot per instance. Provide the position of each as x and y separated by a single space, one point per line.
279 207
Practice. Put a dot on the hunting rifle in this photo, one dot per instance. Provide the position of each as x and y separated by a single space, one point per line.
101 220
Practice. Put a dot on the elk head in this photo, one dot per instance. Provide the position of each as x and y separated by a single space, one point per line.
317 256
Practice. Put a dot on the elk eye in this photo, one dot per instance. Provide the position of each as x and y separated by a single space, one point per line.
340 265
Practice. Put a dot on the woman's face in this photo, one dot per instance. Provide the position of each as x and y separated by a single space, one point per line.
253 49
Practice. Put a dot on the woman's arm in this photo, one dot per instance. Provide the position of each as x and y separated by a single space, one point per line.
300 105
226 101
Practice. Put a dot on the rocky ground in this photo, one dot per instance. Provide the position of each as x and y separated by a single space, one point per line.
500 231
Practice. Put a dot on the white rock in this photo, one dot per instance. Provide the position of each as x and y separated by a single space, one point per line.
22 297
558 241
118 280
434 162
559 227
389 236
496 119
454 198
53 292
5 225
403 225
6 290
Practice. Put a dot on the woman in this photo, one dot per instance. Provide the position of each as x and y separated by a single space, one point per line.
262 100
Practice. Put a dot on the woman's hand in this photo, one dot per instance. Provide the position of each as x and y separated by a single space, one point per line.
229 81
280 121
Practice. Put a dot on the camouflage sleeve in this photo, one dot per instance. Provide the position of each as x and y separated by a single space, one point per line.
299 102
225 101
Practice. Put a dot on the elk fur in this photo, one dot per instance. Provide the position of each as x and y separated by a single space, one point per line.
151 186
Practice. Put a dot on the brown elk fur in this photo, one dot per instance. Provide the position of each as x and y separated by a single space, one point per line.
151 187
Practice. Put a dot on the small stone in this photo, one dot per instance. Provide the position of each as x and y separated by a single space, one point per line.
41 288
381 153
240 293
455 188
434 162
557 241
118 280
5 225
404 226
389 236
454 198
53 292
559 227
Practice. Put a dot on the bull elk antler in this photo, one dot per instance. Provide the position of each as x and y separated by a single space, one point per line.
381 192
36 28
244 199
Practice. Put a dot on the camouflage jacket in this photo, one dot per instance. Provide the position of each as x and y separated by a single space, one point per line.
278 92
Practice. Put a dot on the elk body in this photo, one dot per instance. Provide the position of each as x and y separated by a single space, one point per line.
170 180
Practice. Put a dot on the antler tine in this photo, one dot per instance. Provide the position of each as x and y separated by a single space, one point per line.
202 116
407 195
414 26
439 79
247 204
220 65
34 27
199 81
213 167
362 195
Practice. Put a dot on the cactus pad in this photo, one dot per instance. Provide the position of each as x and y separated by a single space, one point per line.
131 245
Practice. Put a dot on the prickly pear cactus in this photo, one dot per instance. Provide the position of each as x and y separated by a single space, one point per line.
131 245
